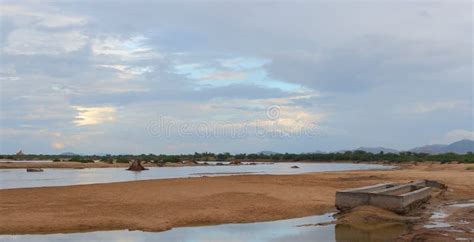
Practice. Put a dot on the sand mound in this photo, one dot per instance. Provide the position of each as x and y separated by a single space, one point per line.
371 218
431 236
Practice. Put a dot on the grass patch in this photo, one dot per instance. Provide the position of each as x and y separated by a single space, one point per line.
470 168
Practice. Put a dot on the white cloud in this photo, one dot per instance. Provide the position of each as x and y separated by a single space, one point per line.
46 17
57 145
224 75
129 72
124 48
274 114
94 115
34 42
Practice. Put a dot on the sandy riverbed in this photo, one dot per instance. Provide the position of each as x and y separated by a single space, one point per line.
157 205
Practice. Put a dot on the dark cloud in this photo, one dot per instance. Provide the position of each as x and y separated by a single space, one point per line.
371 61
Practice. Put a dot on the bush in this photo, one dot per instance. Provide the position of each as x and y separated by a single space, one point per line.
171 158
122 160
76 159
85 160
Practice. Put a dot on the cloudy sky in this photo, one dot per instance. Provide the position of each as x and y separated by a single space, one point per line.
118 76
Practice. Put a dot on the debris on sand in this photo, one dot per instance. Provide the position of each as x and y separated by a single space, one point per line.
295 167
136 166
34 170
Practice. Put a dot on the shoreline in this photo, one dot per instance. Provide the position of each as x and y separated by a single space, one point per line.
158 205
78 165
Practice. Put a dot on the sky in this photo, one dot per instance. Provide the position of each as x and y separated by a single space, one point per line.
175 77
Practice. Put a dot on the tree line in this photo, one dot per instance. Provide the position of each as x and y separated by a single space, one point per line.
357 155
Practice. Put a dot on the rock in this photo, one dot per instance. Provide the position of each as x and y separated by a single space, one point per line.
34 170
20 153
136 166
189 162
295 167
219 164
235 162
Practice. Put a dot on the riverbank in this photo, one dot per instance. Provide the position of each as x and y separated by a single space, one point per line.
80 165
12 164
157 205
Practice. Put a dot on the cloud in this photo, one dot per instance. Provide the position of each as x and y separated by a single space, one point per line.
94 115
226 72
57 145
453 136
129 72
368 81
132 48
34 42
367 62
459 134
241 63
421 108
223 75
41 16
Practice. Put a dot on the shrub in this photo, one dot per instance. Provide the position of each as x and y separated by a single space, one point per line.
85 160
122 160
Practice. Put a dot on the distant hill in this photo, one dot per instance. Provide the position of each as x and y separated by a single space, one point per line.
459 147
68 154
430 149
101 154
376 150
266 152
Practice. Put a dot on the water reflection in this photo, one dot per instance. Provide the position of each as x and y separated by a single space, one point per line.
274 231
282 230
17 178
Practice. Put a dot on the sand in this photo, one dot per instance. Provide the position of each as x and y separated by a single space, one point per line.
157 205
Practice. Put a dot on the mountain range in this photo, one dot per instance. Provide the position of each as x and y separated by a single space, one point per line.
459 147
